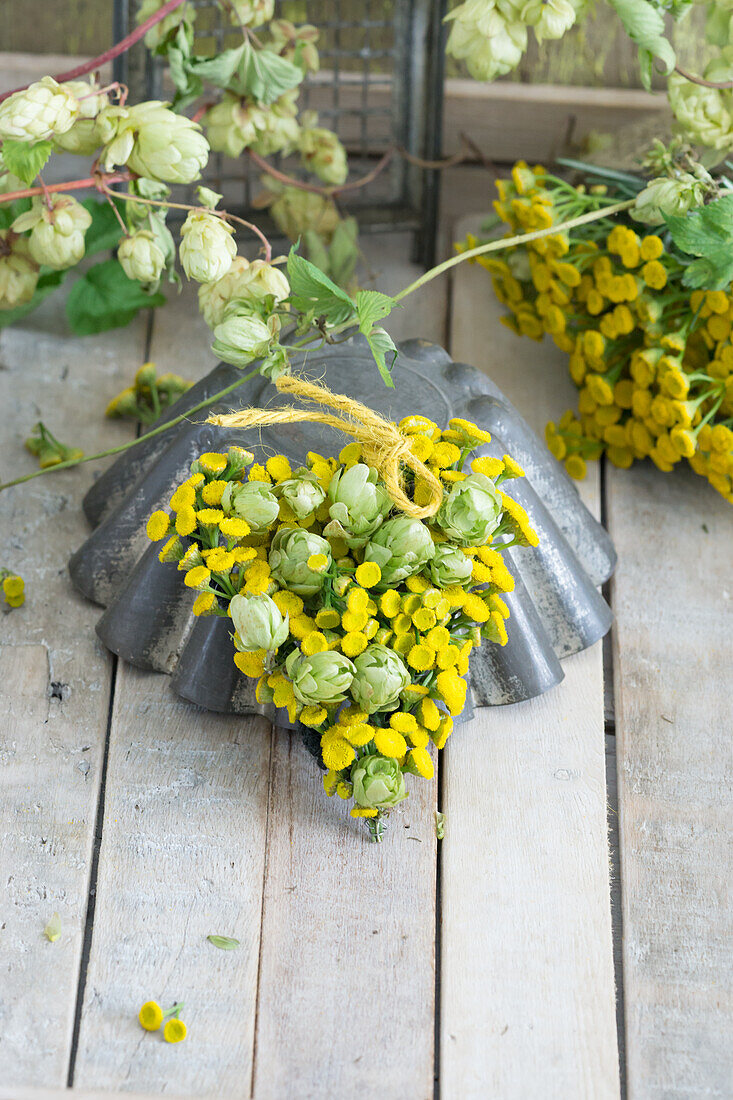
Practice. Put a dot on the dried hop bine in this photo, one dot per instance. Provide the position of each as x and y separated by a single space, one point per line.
355 604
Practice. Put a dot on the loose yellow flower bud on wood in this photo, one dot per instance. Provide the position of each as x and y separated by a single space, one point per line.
150 1016
175 1031
158 526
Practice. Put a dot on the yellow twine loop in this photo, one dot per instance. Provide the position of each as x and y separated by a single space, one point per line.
383 446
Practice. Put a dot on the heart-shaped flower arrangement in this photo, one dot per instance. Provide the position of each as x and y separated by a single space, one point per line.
356 618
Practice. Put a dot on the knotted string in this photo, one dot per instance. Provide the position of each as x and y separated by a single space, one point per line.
383 446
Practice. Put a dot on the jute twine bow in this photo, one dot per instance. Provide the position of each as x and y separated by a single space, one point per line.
383 446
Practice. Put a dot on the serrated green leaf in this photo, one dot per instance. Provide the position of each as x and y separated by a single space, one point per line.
25 160
219 69
264 75
316 251
313 290
104 298
707 233
52 931
644 24
383 349
224 943
372 306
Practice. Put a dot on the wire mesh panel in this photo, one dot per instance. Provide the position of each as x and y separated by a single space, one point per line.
379 86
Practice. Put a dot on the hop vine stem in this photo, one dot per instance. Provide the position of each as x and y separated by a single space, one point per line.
491 246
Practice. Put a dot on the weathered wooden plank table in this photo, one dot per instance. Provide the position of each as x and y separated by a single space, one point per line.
479 967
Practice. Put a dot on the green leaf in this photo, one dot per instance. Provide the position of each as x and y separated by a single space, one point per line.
372 306
707 233
25 160
265 75
343 252
313 290
47 282
383 348
52 931
219 69
644 24
9 211
316 250
224 943
104 233
105 298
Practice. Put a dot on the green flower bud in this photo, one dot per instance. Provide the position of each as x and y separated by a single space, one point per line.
380 675
400 547
243 336
378 782
359 503
705 113
449 566
85 136
549 18
302 493
155 142
480 36
296 44
91 101
663 197
322 678
278 129
249 282
18 272
294 211
253 501
57 230
160 31
206 250
258 622
140 257
289 552
250 13
324 155
232 124
38 112
471 511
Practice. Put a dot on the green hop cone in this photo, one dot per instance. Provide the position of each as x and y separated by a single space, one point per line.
302 493
705 114
18 271
485 40
359 503
207 249
40 111
250 13
243 336
324 155
380 675
160 31
296 44
378 782
253 501
400 547
153 141
471 511
248 282
449 565
57 230
141 257
290 550
278 129
550 19
232 124
258 622
84 137
321 678
664 197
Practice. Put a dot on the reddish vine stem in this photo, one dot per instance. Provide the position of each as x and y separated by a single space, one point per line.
114 51
97 182
701 80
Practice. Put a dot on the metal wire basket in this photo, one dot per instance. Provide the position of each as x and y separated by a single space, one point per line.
380 85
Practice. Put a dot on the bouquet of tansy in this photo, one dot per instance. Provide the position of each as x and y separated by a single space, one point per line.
355 617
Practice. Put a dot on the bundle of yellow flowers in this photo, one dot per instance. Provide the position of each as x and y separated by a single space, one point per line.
355 618
652 359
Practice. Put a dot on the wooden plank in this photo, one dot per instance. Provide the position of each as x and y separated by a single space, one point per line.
55 684
182 858
673 650
527 1001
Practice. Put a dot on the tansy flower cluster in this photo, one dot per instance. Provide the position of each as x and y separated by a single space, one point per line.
652 360
148 396
12 587
355 618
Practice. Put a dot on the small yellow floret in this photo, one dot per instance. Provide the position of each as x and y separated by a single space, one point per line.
198 577
186 521
150 1016
364 811
368 574
336 751
353 643
389 742
175 1031
158 526
213 492
212 463
421 658
251 664
314 642
279 468
318 563
233 528
209 517
422 762
313 716
205 604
